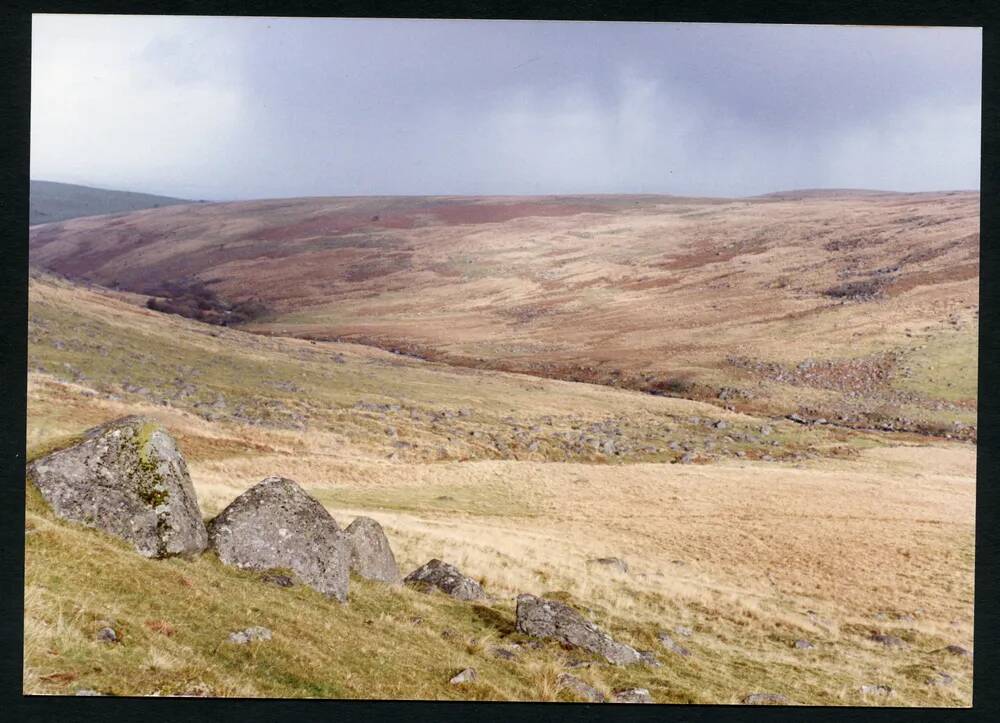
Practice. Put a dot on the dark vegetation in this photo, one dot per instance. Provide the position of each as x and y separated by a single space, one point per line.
194 300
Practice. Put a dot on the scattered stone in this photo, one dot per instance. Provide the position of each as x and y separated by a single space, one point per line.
648 658
765 699
465 676
582 689
543 618
107 635
503 654
940 679
447 579
277 524
277 579
686 458
682 630
631 695
449 634
882 690
673 647
804 645
87 691
957 650
371 556
614 563
256 633
798 418
126 478
889 641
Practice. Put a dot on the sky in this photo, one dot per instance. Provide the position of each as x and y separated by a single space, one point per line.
225 108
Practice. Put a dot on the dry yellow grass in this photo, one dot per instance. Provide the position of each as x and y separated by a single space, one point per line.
751 555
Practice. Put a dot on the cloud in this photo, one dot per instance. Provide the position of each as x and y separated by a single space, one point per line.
259 107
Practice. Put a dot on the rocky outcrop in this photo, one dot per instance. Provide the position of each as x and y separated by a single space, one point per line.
277 524
127 478
438 575
544 618
371 556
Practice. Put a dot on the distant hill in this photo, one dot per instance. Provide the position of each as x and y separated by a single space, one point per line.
61 201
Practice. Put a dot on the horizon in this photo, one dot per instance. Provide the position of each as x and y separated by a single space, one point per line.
248 108
517 195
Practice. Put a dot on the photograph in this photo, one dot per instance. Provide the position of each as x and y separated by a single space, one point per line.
550 361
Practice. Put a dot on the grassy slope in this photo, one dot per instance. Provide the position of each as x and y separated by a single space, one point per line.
738 550
51 202
626 291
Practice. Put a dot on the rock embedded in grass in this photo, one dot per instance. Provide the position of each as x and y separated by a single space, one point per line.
582 689
631 695
804 645
127 478
672 646
106 635
940 679
252 634
371 555
542 618
467 675
438 575
882 690
612 563
889 641
764 699
277 524
957 650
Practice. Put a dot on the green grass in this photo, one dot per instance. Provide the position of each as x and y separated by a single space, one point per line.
946 368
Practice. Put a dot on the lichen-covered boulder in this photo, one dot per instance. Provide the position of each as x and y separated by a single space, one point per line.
128 478
277 524
371 556
439 575
544 618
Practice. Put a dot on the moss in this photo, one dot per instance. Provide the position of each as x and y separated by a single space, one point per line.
149 484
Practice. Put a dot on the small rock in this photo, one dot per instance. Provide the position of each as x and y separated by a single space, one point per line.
87 691
107 635
673 647
631 695
648 658
804 645
614 563
958 650
582 689
277 579
682 630
439 575
889 641
465 676
544 618
876 690
503 654
242 637
940 679
765 699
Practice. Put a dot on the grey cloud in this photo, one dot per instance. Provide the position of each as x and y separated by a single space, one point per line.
315 107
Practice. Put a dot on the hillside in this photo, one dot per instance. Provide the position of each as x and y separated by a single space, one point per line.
762 533
50 202
856 307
